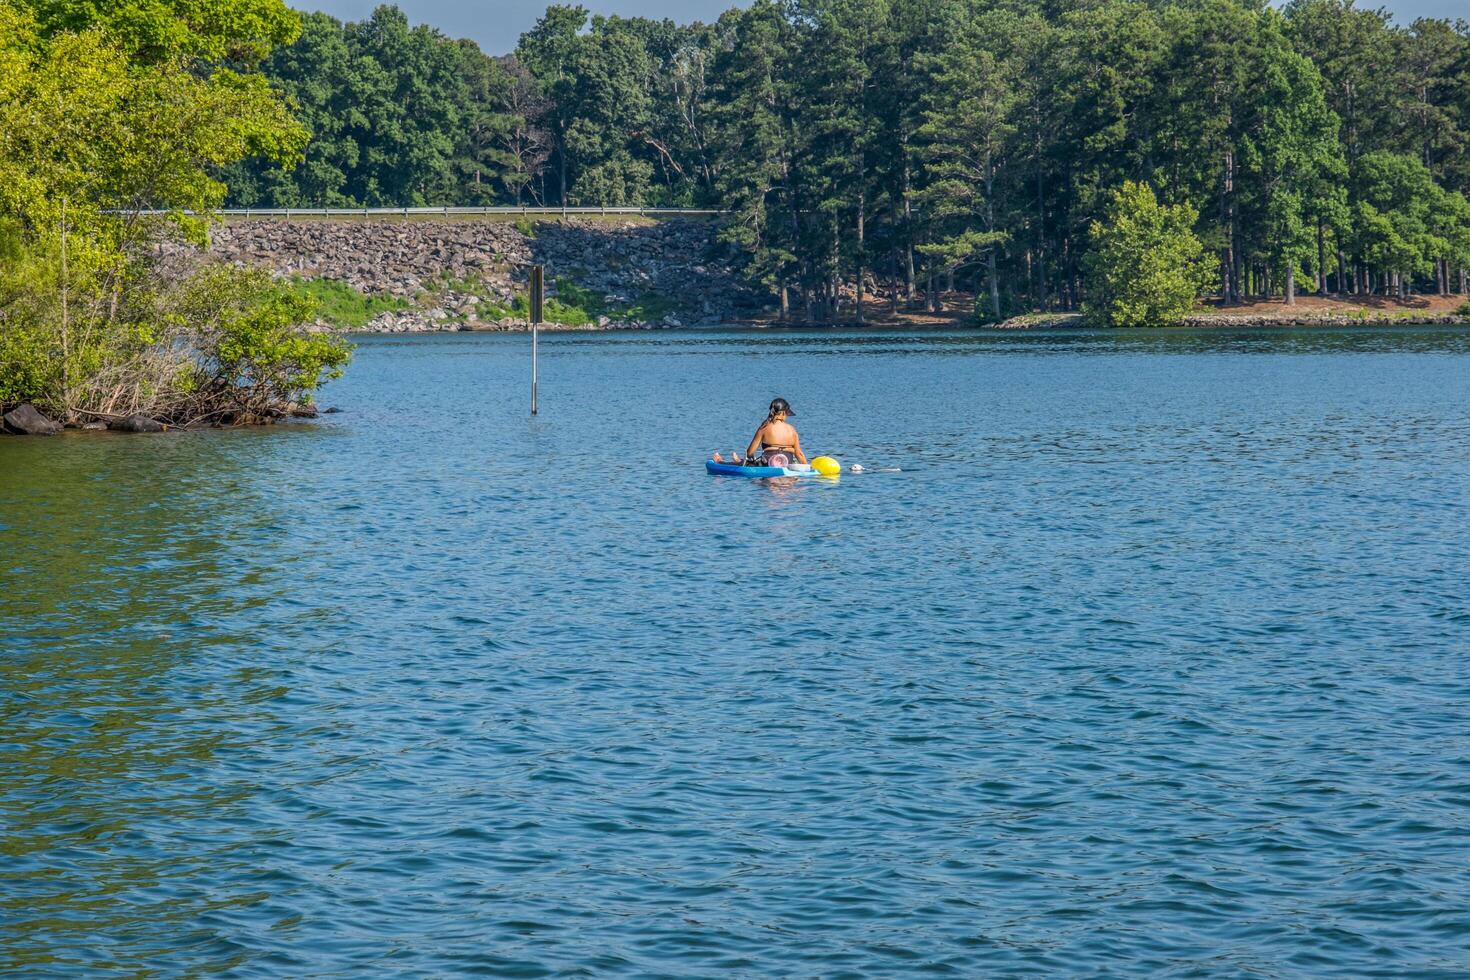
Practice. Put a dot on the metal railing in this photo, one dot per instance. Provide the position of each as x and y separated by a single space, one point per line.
448 211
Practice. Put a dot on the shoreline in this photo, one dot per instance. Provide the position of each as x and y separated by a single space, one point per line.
1221 319
954 320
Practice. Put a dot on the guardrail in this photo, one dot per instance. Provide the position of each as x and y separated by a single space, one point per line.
446 211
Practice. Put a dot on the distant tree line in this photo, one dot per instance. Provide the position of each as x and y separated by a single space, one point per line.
927 143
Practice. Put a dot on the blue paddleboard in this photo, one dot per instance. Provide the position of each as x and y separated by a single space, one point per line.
756 472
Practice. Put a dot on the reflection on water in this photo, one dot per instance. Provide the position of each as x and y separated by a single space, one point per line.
1150 660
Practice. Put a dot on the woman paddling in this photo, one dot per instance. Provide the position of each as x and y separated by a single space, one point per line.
775 443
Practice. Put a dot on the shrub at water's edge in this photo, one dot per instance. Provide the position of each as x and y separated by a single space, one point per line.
1146 265
102 121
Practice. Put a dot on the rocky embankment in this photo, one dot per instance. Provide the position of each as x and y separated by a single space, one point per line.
1343 318
1351 317
452 275
26 420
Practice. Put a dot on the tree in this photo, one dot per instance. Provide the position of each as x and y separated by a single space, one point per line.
847 137
526 143
966 135
1394 218
549 50
838 74
480 156
174 31
1146 265
608 106
1292 152
751 127
97 131
410 113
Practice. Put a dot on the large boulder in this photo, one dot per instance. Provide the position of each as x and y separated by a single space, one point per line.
135 423
26 421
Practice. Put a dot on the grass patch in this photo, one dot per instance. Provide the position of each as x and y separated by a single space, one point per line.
343 306
435 290
525 226
577 306
490 310
573 296
1464 308
555 311
647 306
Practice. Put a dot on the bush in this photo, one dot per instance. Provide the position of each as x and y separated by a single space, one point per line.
1146 265
222 345
252 356
112 142
30 369
1464 308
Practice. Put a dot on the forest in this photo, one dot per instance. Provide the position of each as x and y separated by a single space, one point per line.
904 146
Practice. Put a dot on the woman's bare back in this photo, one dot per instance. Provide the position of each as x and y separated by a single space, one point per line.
778 434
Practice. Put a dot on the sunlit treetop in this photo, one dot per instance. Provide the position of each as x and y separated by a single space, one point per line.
239 31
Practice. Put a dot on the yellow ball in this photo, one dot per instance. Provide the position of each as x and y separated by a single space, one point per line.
827 466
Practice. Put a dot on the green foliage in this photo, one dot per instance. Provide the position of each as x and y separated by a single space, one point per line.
577 301
343 306
252 356
1146 265
968 122
106 112
1463 309
240 31
400 115
916 140
576 306
30 368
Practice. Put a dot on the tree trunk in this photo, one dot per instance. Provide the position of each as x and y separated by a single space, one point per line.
897 277
1291 284
834 286
1321 259
562 167
908 224
861 216
994 284
785 301
1040 224
1229 262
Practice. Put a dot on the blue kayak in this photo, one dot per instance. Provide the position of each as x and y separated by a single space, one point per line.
756 472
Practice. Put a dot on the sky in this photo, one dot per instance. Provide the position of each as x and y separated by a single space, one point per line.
496 24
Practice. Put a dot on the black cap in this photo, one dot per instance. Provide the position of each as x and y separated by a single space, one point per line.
780 406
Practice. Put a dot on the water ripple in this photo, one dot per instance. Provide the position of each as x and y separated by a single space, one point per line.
1150 660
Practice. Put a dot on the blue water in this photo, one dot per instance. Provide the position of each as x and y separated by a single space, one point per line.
1152 660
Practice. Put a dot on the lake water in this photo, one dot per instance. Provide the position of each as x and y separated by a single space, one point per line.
1154 658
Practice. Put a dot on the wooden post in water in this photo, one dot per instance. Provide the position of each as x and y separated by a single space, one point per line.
538 300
